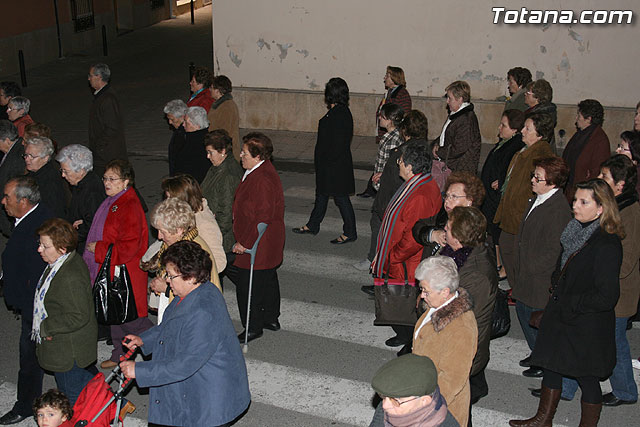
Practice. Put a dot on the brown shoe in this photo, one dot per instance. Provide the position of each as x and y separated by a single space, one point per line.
108 364
549 399
590 414
128 408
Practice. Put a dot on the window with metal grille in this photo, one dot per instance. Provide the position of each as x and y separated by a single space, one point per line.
82 15
156 4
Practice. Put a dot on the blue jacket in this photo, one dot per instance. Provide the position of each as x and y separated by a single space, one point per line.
197 376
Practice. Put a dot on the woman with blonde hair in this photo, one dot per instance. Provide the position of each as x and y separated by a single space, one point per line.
576 336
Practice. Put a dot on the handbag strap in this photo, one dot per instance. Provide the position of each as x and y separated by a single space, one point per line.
385 276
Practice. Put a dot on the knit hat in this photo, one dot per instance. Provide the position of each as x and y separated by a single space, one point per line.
407 375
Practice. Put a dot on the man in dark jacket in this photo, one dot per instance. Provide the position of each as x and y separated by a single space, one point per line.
12 163
106 130
22 267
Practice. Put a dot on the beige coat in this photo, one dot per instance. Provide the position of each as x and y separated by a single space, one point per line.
450 339
226 117
210 232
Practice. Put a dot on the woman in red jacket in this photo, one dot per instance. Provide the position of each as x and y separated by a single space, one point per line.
120 221
397 253
259 198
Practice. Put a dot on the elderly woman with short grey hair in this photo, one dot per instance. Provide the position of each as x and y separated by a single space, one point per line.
191 156
18 113
87 191
447 332
45 171
175 111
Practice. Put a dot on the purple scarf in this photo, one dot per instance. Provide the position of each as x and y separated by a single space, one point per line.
95 233
431 415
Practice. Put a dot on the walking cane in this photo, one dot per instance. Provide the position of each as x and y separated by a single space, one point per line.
262 227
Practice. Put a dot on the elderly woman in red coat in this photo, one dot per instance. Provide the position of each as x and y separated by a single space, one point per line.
397 253
259 198
120 221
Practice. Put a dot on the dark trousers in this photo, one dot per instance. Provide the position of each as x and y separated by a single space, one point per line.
479 389
509 252
346 211
524 313
30 373
375 222
265 296
405 333
118 332
72 382
590 386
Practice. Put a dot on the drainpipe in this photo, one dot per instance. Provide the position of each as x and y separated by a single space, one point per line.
55 9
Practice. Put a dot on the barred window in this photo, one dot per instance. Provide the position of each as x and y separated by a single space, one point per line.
82 15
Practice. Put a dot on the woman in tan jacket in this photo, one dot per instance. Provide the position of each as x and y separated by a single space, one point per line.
224 112
516 190
447 332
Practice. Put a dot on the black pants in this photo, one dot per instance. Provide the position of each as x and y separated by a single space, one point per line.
30 373
479 389
265 298
590 386
346 211
405 333
375 222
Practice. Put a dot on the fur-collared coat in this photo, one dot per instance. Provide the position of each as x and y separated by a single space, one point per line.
450 340
462 141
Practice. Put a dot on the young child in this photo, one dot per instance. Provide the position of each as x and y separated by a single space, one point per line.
52 409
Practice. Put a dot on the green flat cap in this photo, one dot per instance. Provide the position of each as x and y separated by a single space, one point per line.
407 375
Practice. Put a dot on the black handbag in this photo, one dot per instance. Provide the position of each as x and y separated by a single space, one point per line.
501 317
113 297
396 301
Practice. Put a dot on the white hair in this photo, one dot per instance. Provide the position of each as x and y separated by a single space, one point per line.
198 117
440 271
44 145
177 108
20 102
103 71
77 156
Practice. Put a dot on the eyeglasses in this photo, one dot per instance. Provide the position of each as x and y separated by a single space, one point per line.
395 402
424 291
29 156
623 148
399 160
108 179
170 277
453 197
537 178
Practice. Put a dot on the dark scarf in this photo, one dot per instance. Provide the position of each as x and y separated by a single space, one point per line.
626 199
431 415
460 256
575 146
574 237
225 97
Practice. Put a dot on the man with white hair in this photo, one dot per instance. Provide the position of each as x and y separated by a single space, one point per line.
106 129
12 163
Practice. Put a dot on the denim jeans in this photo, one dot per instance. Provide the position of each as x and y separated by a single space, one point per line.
72 382
524 314
346 211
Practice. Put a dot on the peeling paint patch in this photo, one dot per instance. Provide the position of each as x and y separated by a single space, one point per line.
546 26
333 57
303 52
435 79
284 50
471 75
577 37
489 56
313 84
543 49
564 63
419 92
261 43
493 78
489 46
235 59
539 75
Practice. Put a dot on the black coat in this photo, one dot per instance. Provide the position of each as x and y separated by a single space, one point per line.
106 130
424 227
53 188
191 158
12 166
332 155
21 263
178 138
576 336
495 168
86 197
390 180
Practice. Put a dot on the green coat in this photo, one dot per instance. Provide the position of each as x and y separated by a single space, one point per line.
219 188
71 321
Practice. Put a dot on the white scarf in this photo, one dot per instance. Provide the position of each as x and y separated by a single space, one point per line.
39 310
446 124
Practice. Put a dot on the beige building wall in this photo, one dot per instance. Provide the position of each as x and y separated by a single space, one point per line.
280 54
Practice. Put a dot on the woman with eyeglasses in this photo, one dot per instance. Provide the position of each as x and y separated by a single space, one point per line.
196 374
120 221
447 332
629 146
516 190
538 243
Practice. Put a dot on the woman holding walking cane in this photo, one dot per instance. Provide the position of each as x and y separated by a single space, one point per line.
259 198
